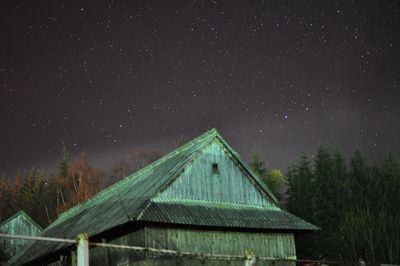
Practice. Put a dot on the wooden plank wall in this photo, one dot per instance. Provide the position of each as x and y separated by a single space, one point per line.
206 262
231 185
106 256
276 245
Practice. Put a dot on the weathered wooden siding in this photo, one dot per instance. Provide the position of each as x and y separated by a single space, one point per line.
105 256
231 184
18 225
275 245
204 262
110 256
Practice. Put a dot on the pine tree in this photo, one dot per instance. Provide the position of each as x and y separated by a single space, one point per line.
390 184
273 179
300 191
370 225
300 194
257 165
322 200
37 206
63 162
361 182
6 208
330 173
340 196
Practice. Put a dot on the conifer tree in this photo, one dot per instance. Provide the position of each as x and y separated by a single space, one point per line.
257 165
361 180
300 194
300 191
63 162
6 208
390 183
328 201
273 179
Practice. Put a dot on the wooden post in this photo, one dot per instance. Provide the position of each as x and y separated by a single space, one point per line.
73 258
106 252
250 258
83 250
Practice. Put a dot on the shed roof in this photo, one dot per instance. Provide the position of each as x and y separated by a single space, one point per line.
131 200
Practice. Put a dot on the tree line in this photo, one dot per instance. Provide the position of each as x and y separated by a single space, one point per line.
356 204
45 196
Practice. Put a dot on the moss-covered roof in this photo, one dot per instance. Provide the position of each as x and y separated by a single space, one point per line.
131 200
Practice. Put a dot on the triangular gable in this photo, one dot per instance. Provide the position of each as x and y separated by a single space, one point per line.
247 169
21 215
228 181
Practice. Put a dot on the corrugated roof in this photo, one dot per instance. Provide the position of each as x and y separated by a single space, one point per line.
222 214
130 200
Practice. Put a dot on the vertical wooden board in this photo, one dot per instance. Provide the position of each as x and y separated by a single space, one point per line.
200 183
214 242
223 242
119 256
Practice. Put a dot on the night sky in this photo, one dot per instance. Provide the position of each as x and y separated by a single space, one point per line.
275 77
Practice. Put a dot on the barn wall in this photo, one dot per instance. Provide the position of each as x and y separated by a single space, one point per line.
275 245
231 185
207 262
106 256
109 256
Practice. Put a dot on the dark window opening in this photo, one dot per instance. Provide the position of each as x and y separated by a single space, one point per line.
215 169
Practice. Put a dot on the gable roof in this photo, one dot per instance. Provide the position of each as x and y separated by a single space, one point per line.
25 216
131 200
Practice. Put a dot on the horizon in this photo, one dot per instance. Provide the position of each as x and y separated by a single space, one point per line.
281 78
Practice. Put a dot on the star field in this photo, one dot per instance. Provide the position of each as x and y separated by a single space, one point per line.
278 78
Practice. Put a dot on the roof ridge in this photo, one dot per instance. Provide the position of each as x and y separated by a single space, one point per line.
208 134
187 200
11 217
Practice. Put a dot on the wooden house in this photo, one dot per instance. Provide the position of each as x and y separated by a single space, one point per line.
201 197
18 224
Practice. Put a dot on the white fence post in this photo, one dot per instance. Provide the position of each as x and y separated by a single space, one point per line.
83 250
250 258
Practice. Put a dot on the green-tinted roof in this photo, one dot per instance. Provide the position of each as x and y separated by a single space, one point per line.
25 215
222 214
131 200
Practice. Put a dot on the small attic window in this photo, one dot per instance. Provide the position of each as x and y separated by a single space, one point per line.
215 169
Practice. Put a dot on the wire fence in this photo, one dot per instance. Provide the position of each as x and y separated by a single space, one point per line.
83 244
